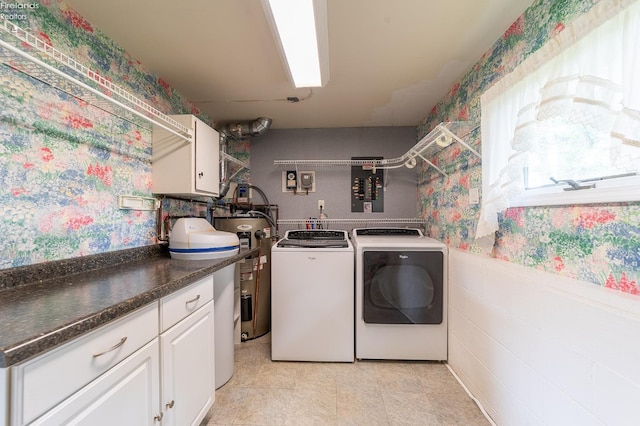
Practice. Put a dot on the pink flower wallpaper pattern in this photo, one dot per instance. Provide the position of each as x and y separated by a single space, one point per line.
594 243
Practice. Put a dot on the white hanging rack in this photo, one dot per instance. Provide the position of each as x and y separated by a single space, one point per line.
443 135
45 63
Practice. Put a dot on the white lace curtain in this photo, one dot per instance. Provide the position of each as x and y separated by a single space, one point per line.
579 92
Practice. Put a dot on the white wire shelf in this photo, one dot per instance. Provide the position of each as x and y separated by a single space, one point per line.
26 53
443 135
347 223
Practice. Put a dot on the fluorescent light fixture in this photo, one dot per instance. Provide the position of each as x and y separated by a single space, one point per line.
300 30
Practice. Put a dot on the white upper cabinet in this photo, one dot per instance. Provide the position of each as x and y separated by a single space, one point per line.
186 168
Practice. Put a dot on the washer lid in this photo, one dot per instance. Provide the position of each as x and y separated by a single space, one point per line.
391 232
315 238
316 234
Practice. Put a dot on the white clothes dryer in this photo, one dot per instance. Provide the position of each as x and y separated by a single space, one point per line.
401 295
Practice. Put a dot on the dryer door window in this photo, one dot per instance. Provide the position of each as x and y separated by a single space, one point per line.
402 287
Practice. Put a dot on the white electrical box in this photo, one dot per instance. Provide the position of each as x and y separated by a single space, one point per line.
298 181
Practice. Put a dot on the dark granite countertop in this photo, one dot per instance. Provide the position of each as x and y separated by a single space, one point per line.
45 305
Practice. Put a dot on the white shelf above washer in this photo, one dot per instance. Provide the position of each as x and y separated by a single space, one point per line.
347 223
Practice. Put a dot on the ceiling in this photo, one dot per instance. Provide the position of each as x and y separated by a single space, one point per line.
390 60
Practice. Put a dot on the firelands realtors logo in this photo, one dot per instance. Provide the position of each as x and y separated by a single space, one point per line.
16 11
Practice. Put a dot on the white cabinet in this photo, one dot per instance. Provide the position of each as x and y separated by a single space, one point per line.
187 354
4 396
154 366
186 167
188 385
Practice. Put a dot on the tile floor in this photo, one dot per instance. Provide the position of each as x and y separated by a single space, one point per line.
262 392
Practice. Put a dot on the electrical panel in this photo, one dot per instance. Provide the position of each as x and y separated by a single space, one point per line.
367 188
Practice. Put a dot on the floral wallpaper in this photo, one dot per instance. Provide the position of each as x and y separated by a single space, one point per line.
63 162
594 243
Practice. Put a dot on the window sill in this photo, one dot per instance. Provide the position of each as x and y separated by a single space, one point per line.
620 190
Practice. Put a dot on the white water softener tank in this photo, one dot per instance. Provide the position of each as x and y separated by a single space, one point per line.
196 239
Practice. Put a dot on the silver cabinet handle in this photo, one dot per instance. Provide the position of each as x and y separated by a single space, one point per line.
158 418
170 405
113 348
195 299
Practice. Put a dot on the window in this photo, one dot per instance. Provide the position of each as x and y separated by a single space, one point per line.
570 113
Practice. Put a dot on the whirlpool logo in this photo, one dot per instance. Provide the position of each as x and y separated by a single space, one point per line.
403 256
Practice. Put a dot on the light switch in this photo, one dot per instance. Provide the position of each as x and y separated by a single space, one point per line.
474 196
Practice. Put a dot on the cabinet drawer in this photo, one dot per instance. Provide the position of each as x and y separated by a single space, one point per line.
125 395
43 382
178 305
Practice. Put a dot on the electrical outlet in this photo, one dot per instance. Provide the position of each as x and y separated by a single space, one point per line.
320 204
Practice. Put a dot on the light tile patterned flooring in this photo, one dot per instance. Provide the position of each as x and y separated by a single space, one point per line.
262 392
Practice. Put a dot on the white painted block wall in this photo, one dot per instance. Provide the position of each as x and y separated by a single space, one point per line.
539 349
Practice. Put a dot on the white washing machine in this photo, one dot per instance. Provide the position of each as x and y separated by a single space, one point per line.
401 295
312 297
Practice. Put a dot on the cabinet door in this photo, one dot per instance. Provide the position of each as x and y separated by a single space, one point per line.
207 154
188 385
127 394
